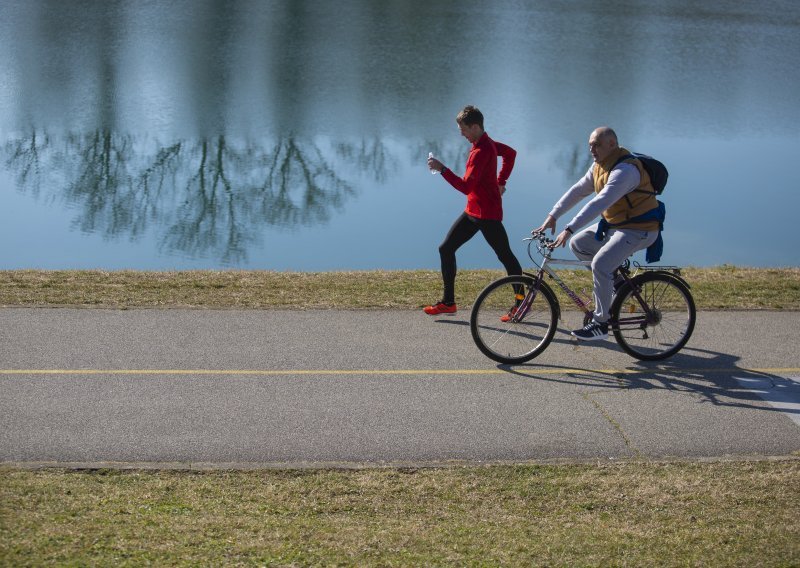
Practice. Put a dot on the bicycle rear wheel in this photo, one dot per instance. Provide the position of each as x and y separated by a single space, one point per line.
524 336
664 328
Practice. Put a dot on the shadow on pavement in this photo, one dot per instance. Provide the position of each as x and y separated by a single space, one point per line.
716 378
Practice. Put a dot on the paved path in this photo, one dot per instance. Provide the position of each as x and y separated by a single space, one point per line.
200 388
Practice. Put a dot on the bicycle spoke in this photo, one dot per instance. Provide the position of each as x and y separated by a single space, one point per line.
514 318
669 317
499 334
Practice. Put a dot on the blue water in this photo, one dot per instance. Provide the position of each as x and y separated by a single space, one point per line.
292 135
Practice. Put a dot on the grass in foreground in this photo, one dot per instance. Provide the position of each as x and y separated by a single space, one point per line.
725 287
728 513
724 513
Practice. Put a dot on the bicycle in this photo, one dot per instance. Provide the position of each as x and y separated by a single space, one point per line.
515 318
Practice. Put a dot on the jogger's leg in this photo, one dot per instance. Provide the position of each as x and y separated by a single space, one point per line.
495 234
462 230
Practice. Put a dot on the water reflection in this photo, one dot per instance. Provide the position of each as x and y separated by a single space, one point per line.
208 126
207 196
247 67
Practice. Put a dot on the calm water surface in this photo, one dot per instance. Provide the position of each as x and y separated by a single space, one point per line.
292 135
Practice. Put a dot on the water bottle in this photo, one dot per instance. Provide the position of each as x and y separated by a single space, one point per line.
433 171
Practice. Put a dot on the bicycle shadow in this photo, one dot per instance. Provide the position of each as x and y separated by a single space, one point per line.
713 377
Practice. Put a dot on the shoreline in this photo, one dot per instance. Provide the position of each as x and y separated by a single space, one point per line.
719 288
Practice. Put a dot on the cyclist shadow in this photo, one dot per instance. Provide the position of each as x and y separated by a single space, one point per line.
713 377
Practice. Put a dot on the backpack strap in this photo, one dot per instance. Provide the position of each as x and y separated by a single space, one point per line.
622 159
628 157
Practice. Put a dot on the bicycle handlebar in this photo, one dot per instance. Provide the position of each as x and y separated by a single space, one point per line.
540 236
544 245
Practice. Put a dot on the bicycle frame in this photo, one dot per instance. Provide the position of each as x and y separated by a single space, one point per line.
544 268
652 312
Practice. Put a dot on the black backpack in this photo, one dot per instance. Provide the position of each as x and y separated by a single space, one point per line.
656 170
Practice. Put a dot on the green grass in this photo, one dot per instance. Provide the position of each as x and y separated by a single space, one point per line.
724 287
635 513
640 514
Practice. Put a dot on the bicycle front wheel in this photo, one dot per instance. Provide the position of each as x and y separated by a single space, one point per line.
662 328
527 333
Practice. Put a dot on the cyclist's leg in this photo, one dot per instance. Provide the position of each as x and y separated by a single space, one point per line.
463 229
583 244
618 245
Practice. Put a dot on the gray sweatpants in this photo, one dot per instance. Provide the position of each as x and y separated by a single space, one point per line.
606 255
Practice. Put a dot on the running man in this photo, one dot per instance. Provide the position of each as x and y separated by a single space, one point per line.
483 187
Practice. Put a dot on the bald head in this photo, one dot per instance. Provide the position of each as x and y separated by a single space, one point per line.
605 132
602 142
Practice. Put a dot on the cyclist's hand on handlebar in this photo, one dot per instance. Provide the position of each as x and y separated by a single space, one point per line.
561 239
549 223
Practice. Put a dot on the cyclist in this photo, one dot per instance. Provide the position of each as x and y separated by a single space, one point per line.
625 198
483 187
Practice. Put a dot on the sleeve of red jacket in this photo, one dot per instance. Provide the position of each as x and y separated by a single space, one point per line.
508 155
475 167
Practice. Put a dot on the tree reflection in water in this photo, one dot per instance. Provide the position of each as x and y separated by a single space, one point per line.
205 198
24 154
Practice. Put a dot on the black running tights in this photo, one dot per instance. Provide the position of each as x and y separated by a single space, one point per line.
463 230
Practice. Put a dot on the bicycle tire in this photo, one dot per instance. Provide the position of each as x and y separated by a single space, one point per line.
674 315
513 342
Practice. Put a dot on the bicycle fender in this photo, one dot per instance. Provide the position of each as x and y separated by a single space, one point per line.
671 274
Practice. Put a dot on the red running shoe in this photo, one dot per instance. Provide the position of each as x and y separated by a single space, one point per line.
440 308
511 313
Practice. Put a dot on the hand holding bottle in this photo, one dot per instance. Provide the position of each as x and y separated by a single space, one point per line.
434 165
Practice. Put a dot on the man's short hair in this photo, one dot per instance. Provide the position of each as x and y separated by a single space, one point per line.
469 116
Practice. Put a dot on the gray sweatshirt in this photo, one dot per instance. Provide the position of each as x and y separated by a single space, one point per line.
623 179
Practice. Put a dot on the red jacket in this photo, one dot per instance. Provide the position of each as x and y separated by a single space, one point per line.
481 181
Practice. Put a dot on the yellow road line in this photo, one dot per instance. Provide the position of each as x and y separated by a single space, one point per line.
378 372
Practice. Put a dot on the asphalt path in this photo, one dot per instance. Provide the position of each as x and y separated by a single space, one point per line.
274 388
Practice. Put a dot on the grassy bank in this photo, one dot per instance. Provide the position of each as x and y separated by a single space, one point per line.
727 513
714 288
637 513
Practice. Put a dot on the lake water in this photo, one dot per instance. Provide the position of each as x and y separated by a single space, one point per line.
292 135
